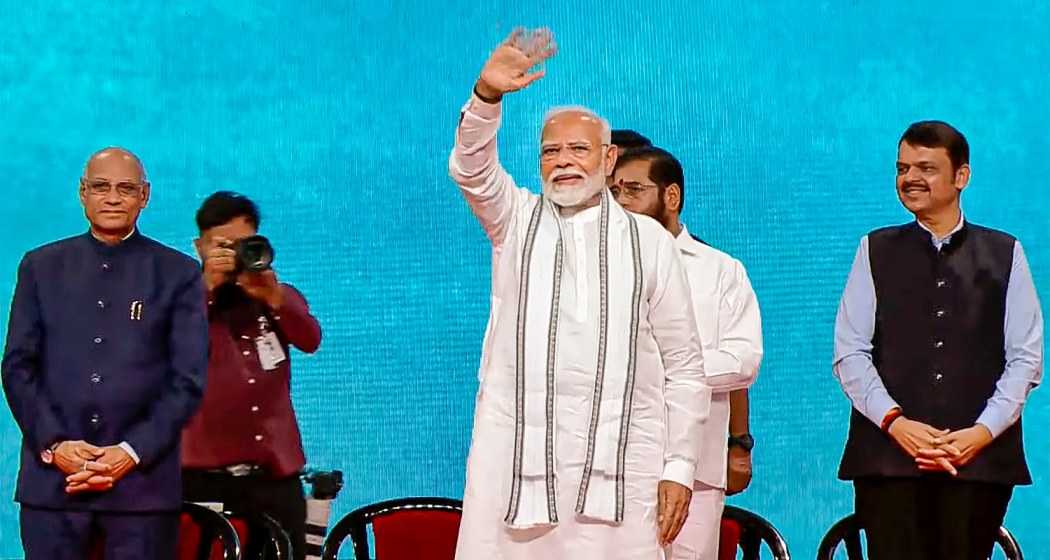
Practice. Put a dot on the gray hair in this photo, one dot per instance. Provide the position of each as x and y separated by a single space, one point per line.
556 111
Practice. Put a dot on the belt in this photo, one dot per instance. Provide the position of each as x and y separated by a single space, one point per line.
239 470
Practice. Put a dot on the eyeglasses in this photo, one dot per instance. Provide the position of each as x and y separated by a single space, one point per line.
125 189
576 150
629 189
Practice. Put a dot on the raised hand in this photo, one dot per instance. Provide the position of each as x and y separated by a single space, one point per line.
219 262
507 68
262 286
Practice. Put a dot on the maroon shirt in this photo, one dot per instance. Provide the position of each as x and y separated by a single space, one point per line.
246 415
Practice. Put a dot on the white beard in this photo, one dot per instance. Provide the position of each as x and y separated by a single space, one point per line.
572 197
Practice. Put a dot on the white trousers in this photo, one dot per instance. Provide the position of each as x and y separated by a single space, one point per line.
699 537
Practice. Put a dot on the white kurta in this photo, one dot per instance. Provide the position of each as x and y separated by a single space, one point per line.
670 397
730 328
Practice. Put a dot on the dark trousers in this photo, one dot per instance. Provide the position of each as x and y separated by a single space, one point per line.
68 535
282 499
930 518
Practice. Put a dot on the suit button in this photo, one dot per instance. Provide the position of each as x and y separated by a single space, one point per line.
95 420
105 266
941 282
101 304
255 409
939 313
251 381
258 437
937 377
96 378
938 344
98 340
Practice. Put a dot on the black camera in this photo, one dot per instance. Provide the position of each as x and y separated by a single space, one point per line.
253 254
325 484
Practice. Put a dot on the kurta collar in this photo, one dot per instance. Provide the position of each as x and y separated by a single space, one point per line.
686 243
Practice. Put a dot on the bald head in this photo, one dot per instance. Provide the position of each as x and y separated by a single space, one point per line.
580 118
115 163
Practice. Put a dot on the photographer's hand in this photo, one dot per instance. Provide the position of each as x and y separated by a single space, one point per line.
262 286
219 263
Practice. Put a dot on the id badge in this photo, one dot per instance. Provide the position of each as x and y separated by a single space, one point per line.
271 354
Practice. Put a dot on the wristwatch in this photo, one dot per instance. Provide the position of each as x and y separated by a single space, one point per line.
48 455
744 441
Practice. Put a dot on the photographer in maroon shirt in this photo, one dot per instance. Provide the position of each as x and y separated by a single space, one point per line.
243 448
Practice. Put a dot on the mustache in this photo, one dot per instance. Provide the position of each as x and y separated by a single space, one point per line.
566 174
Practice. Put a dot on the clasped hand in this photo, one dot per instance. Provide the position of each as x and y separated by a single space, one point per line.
939 450
89 468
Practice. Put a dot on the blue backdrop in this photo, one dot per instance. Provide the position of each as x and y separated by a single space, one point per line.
338 118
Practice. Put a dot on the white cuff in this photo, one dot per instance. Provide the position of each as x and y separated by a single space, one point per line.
130 451
679 471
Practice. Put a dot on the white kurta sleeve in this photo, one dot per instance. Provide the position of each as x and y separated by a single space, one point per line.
734 363
686 394
474 165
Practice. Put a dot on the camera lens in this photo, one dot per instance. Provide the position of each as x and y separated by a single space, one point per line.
254 254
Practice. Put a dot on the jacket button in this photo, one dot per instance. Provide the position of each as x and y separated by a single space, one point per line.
96 378
258 437
98 340
941 283
105 266
101 304
938 344
937 377
939 313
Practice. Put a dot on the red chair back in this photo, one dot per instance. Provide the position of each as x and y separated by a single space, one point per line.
416 535
728 539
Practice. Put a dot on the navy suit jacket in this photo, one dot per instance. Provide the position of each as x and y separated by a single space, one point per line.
105 344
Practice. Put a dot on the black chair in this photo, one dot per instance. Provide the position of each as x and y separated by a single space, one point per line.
214 527
847 531
754 530
412 528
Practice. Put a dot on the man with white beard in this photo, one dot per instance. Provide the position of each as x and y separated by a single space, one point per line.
592 392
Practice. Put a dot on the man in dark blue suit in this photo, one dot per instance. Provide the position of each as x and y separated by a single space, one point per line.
107 348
